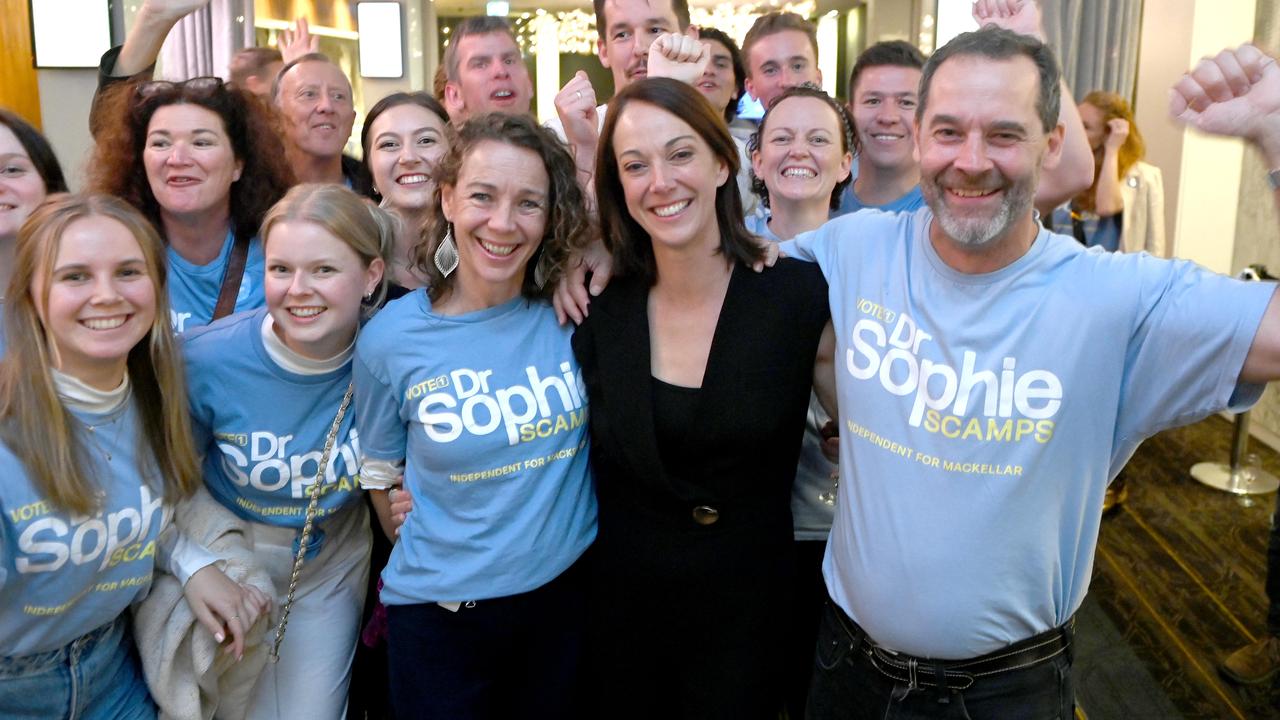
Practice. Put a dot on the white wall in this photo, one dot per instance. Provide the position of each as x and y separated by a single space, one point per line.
1201 174
1209 186
64 111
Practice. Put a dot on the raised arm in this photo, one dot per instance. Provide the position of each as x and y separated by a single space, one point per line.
680 56
297 41
1108 200
1237 94
1074 171
150 27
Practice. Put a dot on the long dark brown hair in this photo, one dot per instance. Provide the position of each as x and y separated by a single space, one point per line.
630 245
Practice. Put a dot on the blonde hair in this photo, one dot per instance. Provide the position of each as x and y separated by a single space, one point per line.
33 421
365 228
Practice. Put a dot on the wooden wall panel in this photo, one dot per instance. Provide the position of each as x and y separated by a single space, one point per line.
19 90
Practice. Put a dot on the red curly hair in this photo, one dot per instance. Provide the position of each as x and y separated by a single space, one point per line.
123 115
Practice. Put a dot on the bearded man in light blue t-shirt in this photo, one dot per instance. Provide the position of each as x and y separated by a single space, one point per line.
993 378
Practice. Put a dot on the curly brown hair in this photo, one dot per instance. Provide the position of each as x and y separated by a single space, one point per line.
125 112
568 223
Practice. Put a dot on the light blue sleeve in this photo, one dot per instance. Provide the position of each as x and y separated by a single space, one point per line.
382 432
804 246
1190 338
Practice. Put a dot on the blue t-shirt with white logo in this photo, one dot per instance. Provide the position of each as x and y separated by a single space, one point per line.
982 416
262 428
488 410
193 289
61 575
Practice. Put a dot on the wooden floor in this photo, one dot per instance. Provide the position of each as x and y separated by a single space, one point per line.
1178 584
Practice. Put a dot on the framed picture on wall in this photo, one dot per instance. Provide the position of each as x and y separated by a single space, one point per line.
381 48
70 33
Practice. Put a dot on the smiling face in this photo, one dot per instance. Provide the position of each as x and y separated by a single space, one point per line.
315 103
499 209
982 146
717 83
883 110
314 285
492 77
778 61
631 26
101 299
21 187
800 157
669 177
189 160
407 141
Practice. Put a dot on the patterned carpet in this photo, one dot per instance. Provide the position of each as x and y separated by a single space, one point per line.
1178 584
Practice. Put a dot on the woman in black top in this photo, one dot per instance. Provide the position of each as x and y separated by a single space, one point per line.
699 372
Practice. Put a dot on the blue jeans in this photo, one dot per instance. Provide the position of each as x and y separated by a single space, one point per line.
846 686
95 677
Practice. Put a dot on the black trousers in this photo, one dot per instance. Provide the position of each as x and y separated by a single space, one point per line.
510 657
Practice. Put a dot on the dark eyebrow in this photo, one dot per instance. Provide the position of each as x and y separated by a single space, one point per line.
673 141
1009 125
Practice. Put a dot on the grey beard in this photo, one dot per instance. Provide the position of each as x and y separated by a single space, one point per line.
978 234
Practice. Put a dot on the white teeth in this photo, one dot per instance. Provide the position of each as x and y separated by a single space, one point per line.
104 323
971 193
305 312
799 172
886 137
672 209
408 179
499 250
503 94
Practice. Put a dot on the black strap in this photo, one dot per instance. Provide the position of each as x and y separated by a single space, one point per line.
232 276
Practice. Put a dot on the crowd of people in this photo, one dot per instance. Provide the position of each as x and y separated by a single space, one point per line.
620 416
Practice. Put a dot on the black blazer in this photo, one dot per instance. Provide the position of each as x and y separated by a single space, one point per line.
750 414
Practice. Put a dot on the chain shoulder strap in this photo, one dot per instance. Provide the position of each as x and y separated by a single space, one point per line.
306 526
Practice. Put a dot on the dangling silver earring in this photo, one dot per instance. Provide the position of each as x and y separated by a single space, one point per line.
541 270
447 254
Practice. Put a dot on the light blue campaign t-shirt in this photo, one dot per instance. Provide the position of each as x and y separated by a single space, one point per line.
63 575
850 202
489 411
262 428
982 416
193 289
